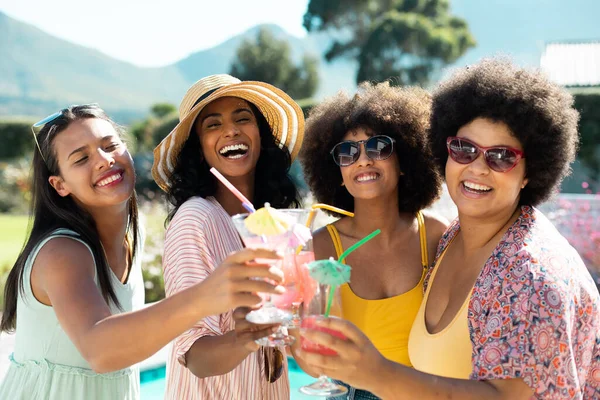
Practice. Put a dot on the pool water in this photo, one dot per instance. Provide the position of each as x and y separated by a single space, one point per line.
153 382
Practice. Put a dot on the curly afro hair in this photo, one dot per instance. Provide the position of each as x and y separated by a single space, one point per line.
539 114
401 113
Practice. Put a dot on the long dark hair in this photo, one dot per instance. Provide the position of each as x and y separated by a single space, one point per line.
51 211
191 176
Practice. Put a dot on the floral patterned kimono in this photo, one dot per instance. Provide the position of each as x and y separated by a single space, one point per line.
534 312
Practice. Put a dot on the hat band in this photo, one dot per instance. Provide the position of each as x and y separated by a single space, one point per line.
205 95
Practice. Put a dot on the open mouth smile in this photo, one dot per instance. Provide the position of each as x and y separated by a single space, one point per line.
234 151
476 188
115 177
367 177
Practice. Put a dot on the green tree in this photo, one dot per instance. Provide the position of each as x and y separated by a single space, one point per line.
162 109
144 132
268 59
406 40
16 138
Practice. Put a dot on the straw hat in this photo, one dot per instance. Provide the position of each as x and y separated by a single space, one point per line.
282 113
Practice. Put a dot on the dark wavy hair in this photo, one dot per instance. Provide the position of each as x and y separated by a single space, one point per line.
401 113
191 175
51 211
539 114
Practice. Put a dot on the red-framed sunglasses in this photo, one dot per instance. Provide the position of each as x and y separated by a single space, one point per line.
498 158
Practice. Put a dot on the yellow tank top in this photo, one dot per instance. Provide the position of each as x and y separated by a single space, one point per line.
386 322
448 352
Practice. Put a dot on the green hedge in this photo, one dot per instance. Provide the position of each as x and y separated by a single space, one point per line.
588 105
16 138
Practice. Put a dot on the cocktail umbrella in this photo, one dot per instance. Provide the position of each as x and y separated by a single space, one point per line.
330 272
334 273
267 221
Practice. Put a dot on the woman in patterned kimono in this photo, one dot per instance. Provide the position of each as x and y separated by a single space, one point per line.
510 310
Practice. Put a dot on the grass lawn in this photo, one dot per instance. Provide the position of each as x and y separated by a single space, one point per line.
14 229
12 235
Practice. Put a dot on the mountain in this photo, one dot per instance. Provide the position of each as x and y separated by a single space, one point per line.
40 73
333 76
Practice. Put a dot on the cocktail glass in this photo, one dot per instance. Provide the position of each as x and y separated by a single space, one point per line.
279 309
311 312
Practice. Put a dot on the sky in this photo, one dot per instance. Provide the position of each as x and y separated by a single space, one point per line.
153 33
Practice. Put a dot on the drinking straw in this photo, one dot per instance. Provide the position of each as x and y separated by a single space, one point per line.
245 202
358 244
342 257
313 213
315 207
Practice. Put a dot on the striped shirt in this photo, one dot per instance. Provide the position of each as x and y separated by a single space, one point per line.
199 237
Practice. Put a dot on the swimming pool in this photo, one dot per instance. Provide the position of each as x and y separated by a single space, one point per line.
153 382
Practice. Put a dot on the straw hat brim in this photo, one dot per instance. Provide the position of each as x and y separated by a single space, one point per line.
282 113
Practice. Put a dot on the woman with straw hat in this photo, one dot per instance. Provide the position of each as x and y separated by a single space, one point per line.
250 132
75 292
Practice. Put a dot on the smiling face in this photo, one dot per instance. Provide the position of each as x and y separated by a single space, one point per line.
96 169
229 136
476 189
370 179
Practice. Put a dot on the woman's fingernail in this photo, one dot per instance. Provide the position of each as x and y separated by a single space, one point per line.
280 289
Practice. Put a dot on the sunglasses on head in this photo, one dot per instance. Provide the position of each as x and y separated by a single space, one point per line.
378 148
38 126
498 158
273 359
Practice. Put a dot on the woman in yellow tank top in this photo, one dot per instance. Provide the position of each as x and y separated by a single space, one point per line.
510 311
368 154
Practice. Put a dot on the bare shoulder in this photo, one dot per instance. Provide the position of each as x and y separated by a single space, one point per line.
435 224
63 257
323 244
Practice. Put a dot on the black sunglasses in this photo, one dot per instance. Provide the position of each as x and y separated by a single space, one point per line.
273 358
379 147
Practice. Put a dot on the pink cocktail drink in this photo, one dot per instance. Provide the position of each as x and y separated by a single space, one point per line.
283 235
298 284
312 347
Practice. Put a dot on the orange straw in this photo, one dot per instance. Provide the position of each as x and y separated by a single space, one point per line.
321 206
313 213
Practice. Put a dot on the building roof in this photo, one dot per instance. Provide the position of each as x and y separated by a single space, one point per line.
572 63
